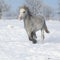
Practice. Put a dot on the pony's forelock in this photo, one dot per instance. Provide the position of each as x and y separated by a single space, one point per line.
26 8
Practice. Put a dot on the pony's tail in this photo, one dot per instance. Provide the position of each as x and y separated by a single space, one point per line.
46 29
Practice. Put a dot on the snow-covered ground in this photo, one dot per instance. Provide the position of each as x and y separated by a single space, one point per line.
15 45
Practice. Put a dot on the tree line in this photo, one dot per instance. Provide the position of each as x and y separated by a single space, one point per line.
37 7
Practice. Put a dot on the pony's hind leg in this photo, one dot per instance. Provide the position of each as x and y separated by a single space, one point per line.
42 34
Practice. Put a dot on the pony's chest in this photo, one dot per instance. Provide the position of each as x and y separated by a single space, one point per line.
28 24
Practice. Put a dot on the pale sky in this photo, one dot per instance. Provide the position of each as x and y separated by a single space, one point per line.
15 3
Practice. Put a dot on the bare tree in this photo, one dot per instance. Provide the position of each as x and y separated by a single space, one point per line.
59 9
35 6
3 7
48 12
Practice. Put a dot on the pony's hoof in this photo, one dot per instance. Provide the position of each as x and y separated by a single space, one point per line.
34 42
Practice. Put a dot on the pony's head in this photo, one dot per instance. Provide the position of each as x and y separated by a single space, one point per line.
24 12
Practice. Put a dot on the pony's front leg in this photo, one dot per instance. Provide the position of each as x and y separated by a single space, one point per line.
42 35
31 37
33 34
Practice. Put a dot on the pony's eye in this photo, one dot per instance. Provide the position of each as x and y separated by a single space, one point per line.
24 12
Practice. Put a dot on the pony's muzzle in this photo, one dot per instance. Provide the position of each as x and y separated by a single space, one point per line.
20 17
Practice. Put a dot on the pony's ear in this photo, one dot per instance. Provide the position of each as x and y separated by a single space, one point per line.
24 7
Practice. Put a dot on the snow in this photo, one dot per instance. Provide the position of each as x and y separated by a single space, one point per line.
15 45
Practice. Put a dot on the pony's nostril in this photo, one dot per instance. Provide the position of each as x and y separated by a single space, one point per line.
20 18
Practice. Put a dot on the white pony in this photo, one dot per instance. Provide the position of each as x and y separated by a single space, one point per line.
32 24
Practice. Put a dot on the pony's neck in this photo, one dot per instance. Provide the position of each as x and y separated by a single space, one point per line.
28 17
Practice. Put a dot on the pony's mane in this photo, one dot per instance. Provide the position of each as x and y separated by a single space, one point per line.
26 8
